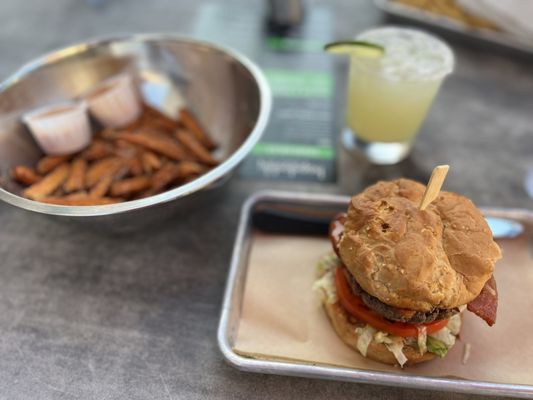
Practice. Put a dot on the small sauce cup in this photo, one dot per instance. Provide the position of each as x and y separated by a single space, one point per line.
60 129
115 102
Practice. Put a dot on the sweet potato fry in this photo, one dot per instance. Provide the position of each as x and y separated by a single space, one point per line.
76 179
159 120
172 172
164 177
49 183
82 201
122 172
199 152
97 150
162 125
59 192
135 166
122 144
75 196
48 163
150 162
102 187
97 170
192 124
107 134
190 169
161 144
152 112
127 187
25 175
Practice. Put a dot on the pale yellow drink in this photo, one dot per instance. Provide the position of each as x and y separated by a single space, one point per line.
389 97
383 111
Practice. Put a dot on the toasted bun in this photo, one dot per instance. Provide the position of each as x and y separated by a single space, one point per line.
376 351
420 260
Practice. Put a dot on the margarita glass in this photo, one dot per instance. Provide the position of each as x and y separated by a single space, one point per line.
389 96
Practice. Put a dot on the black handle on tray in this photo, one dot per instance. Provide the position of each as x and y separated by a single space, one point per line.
281 221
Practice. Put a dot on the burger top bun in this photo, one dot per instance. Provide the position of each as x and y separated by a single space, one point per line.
420 260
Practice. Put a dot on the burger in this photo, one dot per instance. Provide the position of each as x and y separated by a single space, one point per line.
399 278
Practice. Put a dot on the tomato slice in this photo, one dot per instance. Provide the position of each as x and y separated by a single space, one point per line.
355 306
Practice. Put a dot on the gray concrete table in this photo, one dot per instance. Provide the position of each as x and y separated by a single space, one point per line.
90 315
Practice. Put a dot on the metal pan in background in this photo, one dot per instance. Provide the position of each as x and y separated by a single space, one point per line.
484 37
301 213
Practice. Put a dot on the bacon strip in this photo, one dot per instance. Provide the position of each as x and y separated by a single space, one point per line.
485 304
336 229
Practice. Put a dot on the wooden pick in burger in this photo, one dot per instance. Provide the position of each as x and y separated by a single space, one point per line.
434 185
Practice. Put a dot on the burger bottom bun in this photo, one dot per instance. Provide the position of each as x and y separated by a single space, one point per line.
376 351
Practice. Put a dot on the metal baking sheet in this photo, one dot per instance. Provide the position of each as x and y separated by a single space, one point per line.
483 36
301 213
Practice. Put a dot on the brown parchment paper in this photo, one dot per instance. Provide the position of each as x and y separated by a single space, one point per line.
282 318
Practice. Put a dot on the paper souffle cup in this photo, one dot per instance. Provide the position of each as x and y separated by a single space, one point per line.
115 102
60 129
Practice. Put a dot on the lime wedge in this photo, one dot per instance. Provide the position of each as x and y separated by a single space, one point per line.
355 48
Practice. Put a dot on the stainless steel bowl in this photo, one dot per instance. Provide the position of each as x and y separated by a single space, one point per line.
225 89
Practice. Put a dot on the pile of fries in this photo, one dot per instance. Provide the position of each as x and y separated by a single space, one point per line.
153 154
452 10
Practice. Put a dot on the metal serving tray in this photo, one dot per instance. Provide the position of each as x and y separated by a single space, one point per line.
301 213
483 36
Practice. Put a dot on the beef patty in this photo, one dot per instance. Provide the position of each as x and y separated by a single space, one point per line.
399 314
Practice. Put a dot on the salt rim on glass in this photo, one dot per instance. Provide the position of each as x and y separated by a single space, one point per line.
61 128
115 102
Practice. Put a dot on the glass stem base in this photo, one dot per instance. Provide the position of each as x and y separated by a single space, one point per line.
381 153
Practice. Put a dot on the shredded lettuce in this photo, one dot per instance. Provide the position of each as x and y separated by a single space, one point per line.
326 263
436 346
326 287
394 344
421 339
445 336
326 282
441 341
396 348
366 335
382 337
466 353
454 324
